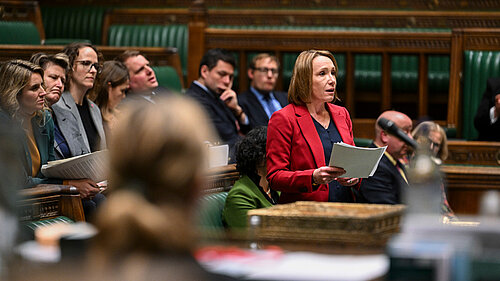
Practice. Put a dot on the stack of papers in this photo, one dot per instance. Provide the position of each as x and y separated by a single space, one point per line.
359 162
88 166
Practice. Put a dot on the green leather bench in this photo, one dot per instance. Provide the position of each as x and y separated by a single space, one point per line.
167 77
66 24
368 67
19 32
478 67
152 36
210 211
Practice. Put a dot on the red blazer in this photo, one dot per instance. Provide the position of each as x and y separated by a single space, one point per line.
294 151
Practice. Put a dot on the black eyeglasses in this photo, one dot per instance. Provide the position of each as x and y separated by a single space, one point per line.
88 64
274 71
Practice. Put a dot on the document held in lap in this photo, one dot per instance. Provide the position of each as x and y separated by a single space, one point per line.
359 162
88 166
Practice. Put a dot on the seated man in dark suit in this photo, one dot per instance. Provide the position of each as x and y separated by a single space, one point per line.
143 83
213 91
261 101
486 120
387 184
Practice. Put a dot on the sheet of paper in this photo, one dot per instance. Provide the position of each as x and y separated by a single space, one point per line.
92 166
218 155
359 162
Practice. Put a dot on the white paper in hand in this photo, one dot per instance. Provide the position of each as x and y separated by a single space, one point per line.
88 166
359 162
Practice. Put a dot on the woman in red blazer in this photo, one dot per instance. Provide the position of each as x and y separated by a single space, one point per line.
301 135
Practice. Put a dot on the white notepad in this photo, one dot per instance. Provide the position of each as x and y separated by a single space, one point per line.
359 162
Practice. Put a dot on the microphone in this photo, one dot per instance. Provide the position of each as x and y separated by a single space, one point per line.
391 128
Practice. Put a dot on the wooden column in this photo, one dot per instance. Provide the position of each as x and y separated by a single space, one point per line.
456 62
386 82
423 89
350 84
196 47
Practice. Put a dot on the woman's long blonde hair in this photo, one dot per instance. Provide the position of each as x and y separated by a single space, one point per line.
15 75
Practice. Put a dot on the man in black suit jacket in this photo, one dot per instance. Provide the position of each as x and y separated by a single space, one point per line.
486 120
260 101
213 91
387 184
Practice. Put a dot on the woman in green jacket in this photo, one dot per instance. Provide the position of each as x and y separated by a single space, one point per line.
252 190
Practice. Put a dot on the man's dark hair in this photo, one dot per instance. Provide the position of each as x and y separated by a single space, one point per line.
212 56
128 54
251 151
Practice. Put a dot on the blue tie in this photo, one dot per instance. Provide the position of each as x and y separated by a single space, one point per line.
270 104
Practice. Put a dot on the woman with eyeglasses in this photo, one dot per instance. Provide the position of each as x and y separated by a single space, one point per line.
110 88
431 135
79 127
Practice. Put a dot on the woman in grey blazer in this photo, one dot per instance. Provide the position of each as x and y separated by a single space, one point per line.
79 128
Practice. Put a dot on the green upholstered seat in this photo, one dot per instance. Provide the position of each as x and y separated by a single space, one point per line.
65 41
60 219
478 67
210 210
362 142
368 77
174 35
73 23
168 78
19 32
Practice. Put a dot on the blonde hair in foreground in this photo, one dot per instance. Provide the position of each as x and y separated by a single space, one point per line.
157 163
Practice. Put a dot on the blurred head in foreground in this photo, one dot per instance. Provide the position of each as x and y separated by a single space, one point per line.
157 163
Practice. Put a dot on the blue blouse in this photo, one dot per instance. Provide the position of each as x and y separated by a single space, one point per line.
329 136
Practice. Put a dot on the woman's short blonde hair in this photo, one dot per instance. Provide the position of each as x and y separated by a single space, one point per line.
300 90
157 163
421 135
15 75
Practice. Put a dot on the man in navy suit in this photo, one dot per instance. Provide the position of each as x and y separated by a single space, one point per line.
213 91
389 181
261 101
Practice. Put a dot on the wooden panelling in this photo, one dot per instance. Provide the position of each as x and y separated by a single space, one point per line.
47 201
473 153
431 5
466 184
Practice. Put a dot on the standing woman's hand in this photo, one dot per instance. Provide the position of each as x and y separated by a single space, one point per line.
348 181
326 174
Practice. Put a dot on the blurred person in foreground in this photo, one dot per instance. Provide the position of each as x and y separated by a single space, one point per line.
252 190
55 68
300 136
146 228
431 135
213 91
387 184
11 173
261 100
109 90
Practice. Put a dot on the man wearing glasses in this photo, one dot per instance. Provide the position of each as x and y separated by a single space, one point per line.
261 101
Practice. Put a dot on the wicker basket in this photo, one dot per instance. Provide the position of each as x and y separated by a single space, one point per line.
325 222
